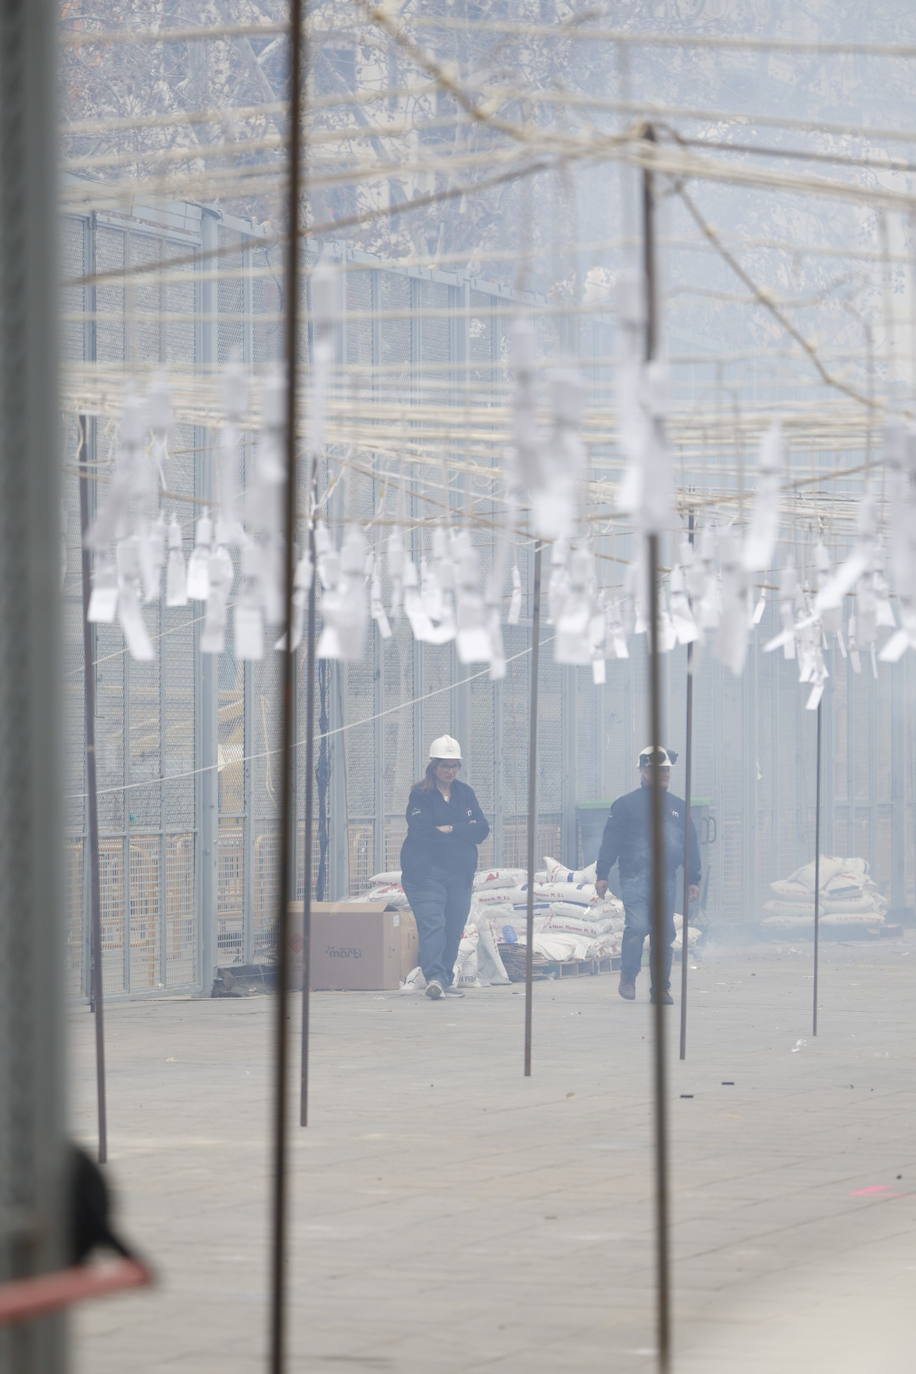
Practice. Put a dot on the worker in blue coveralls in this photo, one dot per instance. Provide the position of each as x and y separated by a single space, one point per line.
438 859
627 841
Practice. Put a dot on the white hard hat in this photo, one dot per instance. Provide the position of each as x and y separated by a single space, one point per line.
445 748
656 757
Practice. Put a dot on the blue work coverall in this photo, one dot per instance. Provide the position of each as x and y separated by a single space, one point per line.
437 871
627 841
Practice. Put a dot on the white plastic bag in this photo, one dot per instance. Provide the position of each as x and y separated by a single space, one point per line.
414 981
490 967
465 971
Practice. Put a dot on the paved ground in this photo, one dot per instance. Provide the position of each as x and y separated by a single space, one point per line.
450 1215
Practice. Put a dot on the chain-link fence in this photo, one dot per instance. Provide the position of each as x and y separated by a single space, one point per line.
187 763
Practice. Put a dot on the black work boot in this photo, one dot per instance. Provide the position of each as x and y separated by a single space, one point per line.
666 999
627 988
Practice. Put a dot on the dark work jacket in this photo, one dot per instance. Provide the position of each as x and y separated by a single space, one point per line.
425 847
627 838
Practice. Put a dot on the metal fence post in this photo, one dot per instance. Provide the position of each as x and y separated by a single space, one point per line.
379 817
249 951
850 759
206 798
569 772
749 858
90 336
419 652
898 789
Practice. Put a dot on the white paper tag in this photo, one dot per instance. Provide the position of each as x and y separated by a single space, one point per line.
198 588
176 579
248 626
139 643
103 603
515 603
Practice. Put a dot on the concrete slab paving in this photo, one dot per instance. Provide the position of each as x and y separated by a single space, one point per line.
448 1214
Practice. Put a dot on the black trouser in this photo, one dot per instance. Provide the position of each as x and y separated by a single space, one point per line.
440 902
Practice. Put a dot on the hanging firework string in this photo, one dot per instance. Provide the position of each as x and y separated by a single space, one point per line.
708 596
235 562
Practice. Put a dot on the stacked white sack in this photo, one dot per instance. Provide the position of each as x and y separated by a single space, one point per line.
693 933
478 963
390 893
559 873
848 898
491 878
570 922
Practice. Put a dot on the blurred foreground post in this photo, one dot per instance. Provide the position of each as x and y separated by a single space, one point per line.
32 1102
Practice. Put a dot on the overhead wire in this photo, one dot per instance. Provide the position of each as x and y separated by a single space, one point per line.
415 428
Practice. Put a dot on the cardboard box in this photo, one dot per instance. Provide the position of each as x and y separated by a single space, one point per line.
356 946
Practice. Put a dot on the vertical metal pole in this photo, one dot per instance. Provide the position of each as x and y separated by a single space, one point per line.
323 782
91 440
248 876
898 824
379 849
308 822
817 868
828 725
92 804
532 798
278 1268
753 793
871 759
461 707
663 1314
498 808
569 773
379 818
206 726
851 739
339 857
250 355
688 779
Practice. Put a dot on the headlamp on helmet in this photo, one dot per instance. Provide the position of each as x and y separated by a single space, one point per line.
654 756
